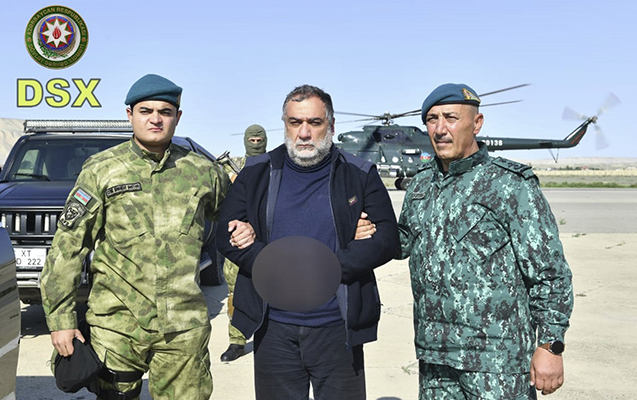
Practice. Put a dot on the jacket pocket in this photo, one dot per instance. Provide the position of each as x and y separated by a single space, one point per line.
193 220
478 232
124 221
364 303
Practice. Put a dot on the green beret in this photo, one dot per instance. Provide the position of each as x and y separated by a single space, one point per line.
449 93
153 87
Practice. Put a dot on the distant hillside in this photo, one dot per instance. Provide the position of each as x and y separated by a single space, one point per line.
10 130
579 162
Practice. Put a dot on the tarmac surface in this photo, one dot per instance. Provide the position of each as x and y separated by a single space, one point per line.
598 228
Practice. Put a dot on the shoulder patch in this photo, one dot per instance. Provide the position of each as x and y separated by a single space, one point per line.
73 211
523 170
82 197
123 188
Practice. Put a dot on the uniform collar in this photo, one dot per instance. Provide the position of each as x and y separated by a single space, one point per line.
154 158
461 166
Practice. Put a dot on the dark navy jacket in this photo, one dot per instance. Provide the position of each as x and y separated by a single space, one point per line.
355 186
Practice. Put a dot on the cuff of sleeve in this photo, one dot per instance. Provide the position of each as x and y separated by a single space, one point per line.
549 333
62 321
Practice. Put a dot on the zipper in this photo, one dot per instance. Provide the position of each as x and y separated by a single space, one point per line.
338 246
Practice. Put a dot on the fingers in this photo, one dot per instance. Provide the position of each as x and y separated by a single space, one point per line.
63 341
232 225
532 376
364 227
547 371
242 234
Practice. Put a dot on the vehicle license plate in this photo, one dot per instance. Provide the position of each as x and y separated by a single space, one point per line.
29 257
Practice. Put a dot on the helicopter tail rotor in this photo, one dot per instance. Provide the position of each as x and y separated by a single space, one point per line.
571 114
600 138
611 101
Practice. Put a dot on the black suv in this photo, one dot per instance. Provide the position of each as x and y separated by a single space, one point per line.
37 177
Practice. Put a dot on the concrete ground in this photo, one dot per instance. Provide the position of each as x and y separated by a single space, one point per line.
599 232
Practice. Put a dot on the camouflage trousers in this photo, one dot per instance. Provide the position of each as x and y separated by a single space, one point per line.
230 272
441 382
178 364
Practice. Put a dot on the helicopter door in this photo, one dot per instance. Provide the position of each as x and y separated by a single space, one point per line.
391 142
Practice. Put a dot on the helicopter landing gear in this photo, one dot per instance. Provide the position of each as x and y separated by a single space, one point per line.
402 183
405 183
398 182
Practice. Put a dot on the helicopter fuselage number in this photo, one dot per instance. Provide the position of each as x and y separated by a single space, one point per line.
493 142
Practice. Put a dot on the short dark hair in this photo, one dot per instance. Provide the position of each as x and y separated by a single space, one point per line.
303 92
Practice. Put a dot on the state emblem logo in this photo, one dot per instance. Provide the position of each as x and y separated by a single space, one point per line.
56 37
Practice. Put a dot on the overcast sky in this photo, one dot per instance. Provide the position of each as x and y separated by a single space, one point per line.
236 61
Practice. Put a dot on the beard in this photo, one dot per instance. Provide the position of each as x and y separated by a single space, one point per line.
309 157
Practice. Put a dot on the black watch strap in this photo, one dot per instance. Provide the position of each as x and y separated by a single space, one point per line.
555 346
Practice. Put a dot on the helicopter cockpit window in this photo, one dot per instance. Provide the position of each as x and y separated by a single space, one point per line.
393 136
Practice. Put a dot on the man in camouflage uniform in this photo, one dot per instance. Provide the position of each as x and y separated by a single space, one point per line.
255 142
141 206
487 266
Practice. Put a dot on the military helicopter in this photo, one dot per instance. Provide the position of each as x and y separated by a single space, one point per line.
398 151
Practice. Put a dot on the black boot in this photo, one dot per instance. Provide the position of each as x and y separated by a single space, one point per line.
234 351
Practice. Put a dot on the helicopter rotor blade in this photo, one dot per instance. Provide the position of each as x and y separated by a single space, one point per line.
600 139
387 117
569 113
406 114
503 90
356 120
611 101
501 103
354 114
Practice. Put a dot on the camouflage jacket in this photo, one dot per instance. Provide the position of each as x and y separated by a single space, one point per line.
487 266
145 217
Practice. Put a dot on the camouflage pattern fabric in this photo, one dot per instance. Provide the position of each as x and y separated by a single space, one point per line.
144 216
179 366
230 271
227 168
441 382
487 266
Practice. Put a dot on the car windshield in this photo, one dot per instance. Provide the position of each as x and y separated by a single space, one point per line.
56 159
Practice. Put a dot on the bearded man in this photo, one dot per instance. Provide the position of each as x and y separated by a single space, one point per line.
307 187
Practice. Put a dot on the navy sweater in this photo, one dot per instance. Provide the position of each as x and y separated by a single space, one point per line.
303 209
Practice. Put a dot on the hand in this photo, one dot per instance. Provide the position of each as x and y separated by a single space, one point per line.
364 228
242 234
63 340
547 371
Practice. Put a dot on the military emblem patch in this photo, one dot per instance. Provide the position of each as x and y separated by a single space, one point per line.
71 213
56 37
469 96
123 188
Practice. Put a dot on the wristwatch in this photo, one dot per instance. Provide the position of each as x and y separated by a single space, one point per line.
555 346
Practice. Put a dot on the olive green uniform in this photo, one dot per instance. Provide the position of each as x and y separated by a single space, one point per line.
144 216
230 269
487 266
